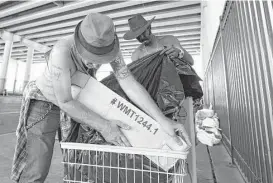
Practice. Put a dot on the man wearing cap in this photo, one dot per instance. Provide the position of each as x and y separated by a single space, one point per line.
140 29
93 43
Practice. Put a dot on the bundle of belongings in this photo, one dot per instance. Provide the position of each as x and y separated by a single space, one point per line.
207 127
156 73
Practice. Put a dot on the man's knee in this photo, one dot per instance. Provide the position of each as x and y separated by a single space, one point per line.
39 149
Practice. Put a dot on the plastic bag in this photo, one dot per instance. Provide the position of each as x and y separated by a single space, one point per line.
207 127
158 75
189 79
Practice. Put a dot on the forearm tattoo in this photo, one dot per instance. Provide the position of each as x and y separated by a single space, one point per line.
120 68
56 72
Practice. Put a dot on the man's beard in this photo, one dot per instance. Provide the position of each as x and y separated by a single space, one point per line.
142 40
146 40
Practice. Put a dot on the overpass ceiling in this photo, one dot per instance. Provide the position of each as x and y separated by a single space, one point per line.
47 21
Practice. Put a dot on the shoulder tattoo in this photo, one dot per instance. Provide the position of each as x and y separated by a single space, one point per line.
56 72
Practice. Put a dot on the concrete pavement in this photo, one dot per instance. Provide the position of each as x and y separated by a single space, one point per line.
9 114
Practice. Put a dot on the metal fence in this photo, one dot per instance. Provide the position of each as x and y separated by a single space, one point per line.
239 83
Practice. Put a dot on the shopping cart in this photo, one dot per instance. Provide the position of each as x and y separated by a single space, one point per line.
90 163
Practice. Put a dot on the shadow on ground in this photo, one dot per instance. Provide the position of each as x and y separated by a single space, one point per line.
9 115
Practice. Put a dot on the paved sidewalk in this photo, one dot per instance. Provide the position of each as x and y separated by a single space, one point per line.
224 173
7 144
9 115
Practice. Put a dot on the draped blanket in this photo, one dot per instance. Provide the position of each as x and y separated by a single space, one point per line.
163 79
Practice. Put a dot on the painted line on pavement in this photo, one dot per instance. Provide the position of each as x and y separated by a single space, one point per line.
9 133
16 112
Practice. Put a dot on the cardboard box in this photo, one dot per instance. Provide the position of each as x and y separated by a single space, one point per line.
145 131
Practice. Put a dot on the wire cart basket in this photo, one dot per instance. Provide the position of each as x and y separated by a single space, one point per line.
92 163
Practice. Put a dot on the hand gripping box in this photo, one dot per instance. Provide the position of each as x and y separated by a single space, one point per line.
145 132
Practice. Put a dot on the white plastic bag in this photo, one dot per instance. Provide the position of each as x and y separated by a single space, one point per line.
208 138
203 114
207 127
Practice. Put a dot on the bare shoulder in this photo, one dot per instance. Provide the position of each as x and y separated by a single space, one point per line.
63 45
169 37
137 54
168 40
60 55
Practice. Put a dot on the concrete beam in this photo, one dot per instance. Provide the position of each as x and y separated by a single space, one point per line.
20 51
22 7
189 48
180 37
126 54
164 15
54 38
24 54
59 3
117 6
35 60
27 42
178 22
124 45
51 11
122 41
24 57
119 33
120 27
57 10
176 34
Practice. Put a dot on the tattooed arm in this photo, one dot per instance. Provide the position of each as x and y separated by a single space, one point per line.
61 80
134 90
174 48
138 94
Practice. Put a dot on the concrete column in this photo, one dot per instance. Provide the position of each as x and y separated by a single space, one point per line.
28 66
205 52
15 80
6 57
